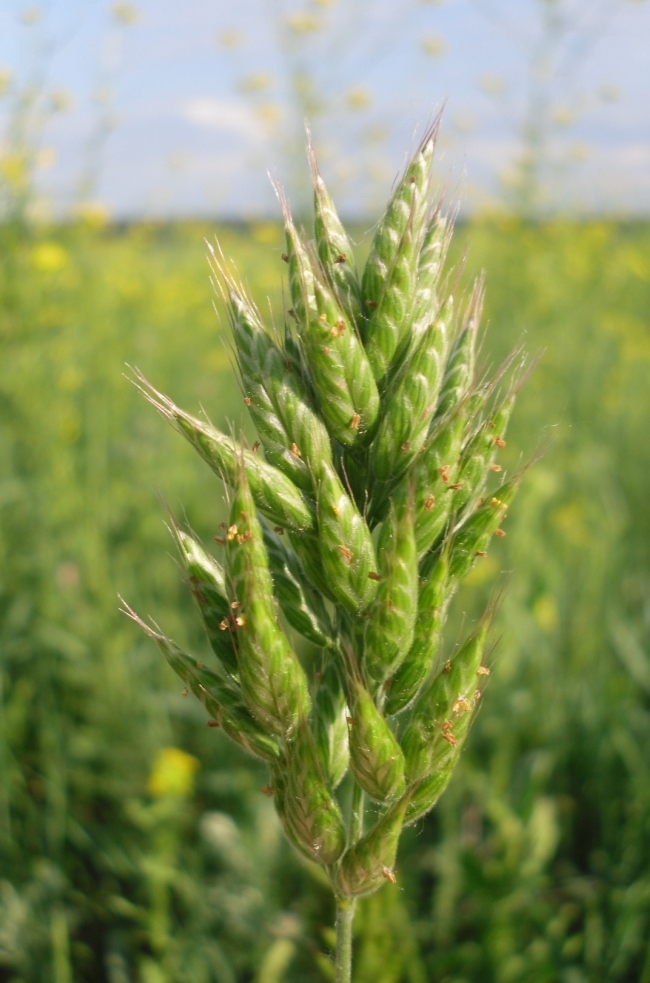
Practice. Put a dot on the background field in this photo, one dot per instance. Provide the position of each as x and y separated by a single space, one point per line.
134 842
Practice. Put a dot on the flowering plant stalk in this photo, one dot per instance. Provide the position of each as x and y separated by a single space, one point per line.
377 492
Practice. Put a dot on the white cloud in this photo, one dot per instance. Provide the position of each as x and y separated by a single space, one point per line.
223 114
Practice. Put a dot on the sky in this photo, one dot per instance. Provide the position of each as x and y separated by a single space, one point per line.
165 108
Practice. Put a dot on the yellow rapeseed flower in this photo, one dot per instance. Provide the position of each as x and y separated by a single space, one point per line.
172 773
49 257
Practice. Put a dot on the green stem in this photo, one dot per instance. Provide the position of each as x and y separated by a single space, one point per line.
344 917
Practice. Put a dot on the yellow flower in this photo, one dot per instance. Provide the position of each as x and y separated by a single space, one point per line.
49 257
172 773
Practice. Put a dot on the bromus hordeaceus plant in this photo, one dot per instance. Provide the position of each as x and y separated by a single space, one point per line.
378 491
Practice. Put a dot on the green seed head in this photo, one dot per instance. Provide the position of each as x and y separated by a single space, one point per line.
374 475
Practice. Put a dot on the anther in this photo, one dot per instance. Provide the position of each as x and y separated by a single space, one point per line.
232 532
292 313
406 446
240 621
444 472
481 553
495 467
450 739
389 875
234 605
371 304
219 540
456 487
482 671
248 400
295 450
499 442
285 257
347 553
336 510
223 625
267 790
325 350
213 723
338 329
500 533
430 502
355 421
462 705
341 258
447 666
279 530
496 503
374 576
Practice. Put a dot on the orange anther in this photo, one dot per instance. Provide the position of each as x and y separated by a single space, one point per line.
500 533
295 450
495 467
482 671
499 442
481 553
267 790
248 400
347 553
355 421
341 258
447 666
444 472
430 502
374 576
389 875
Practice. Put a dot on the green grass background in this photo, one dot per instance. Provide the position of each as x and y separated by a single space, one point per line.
119 865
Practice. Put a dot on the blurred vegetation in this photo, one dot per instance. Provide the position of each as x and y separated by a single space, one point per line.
134 842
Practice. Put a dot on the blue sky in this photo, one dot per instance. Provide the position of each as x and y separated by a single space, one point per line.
180 108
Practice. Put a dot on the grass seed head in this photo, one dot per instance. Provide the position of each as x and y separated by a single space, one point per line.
376 445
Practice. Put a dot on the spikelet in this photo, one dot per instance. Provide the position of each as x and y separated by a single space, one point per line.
376 758
433 603
369 863
208 586
392 615
374 475
331 726
309 808
345 542
389 281
273 682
